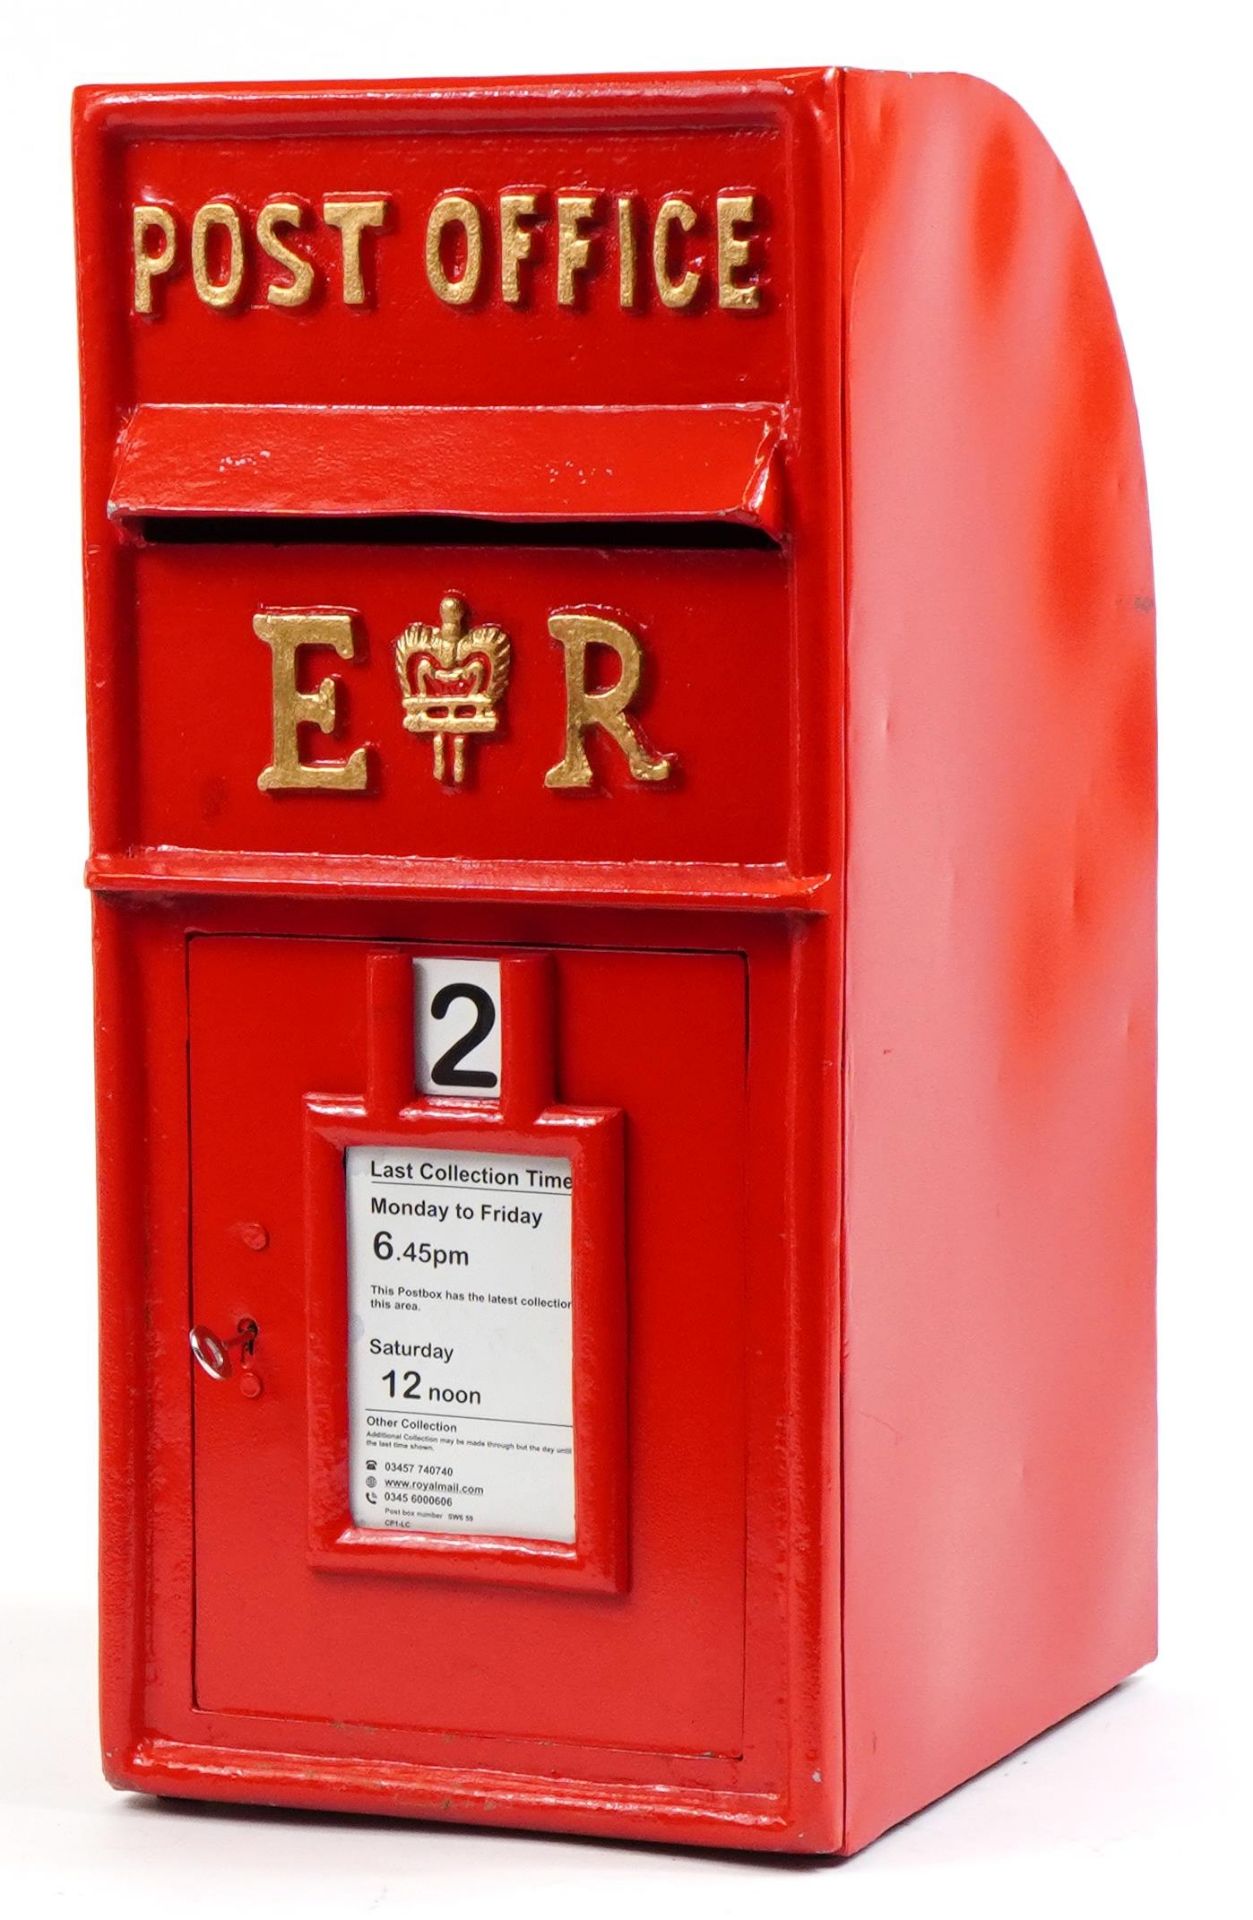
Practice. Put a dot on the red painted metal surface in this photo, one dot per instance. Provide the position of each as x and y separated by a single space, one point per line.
196 785
509 1664
866 974
519 464
998 1392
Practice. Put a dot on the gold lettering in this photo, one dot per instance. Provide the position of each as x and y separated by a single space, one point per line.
576 632
146 220
574 210
454 210
626 251
515 241
285 634
734 210
353 217
674 293
217 214
284 293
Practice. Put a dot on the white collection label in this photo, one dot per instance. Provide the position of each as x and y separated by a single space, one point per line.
460 1357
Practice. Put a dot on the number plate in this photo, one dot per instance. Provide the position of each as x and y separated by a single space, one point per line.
457 1028
460 1365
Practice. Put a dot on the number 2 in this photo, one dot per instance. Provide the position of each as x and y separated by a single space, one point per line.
458 1021
448 1070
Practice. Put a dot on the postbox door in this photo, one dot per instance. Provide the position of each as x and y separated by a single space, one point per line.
287 1634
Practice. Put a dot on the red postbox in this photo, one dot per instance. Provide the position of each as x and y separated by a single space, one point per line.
620 677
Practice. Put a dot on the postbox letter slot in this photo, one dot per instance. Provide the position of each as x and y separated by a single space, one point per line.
690 473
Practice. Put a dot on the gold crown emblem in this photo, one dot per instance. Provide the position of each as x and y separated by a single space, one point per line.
452 681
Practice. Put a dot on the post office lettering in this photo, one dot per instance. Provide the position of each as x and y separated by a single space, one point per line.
566 246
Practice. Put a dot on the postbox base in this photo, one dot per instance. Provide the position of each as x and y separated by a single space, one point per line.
662 1816
531 1804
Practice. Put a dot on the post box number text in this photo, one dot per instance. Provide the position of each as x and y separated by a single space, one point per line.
457 1027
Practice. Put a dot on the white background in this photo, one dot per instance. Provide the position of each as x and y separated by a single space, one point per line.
1144 1798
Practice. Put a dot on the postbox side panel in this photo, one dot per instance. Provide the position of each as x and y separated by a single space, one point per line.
999 1385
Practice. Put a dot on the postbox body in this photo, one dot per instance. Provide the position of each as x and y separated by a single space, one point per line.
621 717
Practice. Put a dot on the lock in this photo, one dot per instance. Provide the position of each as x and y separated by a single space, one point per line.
213 1356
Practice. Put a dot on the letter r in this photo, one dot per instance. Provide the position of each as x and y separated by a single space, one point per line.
576 632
